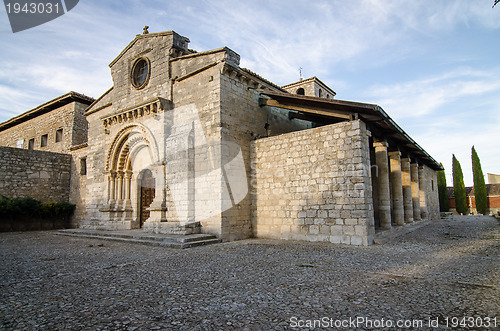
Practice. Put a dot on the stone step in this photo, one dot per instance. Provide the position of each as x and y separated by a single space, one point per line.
140 237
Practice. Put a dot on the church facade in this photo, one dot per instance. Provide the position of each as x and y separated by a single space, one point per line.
187 142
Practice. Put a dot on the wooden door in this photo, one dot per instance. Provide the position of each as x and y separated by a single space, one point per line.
147 195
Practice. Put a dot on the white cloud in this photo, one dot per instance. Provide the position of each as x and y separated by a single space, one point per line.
441 143
425 96
17 101
276 38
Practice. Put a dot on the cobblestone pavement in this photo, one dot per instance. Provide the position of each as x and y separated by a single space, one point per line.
445 269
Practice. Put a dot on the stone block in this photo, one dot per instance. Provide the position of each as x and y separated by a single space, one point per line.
336 239
358 241
314 229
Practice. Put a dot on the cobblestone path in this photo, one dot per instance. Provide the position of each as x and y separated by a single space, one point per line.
444 269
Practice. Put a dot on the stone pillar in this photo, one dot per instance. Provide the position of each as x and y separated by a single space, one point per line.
128 179
384 191
423 192
415 192
398 213
127 188
108 188
119 187
407 196
112 195
158 208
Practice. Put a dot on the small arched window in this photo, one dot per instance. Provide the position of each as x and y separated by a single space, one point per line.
300 91
320 93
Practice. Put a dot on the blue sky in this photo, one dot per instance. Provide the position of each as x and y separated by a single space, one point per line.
433 65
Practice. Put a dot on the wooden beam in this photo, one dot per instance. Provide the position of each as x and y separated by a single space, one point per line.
314 118
307 109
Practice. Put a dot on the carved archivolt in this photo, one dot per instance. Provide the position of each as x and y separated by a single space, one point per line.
129 141
130 138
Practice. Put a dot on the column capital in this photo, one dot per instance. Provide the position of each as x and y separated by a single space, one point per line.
380 143
395 153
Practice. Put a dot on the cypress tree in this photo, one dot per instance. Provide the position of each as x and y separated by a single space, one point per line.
480 193
444 205
459 187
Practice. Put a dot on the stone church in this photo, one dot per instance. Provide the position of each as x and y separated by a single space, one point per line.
188 142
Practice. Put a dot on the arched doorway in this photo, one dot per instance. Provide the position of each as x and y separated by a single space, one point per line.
147 195
131 183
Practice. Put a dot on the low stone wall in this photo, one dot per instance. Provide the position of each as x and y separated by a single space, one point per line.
44 176
34 224
314 185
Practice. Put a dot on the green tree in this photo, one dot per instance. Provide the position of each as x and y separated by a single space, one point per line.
444 204
480 194
459 187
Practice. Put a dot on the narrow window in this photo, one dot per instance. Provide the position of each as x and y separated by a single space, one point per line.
432 184
83 166
301 91
43 140
31 144
320 93
59 135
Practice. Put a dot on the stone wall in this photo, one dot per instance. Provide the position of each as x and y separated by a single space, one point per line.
44 176
203 93
188 89
78 184
157 49
314 185
68 118
242 121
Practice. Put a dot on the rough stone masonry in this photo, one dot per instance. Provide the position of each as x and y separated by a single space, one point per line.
188 141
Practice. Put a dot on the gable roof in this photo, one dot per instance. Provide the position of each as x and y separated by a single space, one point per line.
311 79
143 36
47 107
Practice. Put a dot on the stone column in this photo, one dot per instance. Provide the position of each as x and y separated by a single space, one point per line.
415 192
119 187
423 192
407 196
384 191
112 195
398 212
128 179
127 188
108 188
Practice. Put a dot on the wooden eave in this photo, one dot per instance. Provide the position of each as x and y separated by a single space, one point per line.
332 111
46 107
